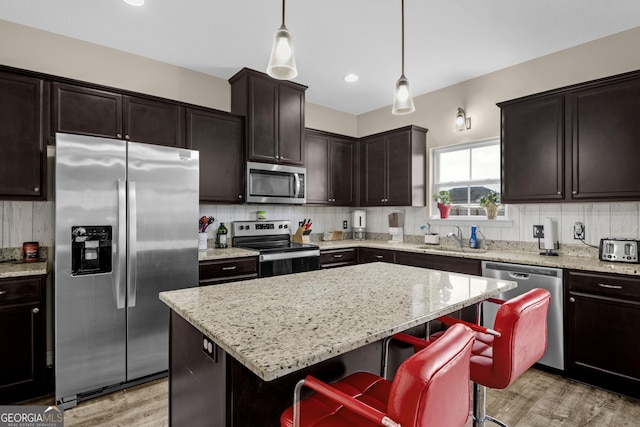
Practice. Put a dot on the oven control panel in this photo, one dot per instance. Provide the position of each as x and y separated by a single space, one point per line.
260 228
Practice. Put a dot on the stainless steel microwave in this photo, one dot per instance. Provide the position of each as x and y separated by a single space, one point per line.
268 183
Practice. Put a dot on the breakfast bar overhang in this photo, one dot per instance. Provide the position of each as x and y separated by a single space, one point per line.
237 349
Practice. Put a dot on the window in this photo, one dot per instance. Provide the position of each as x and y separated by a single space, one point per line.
468 172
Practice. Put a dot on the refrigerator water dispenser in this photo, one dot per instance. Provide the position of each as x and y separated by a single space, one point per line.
90 250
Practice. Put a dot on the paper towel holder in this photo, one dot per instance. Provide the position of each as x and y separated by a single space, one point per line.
549 235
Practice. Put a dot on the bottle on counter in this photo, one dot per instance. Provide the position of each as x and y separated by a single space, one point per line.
473 240
221 236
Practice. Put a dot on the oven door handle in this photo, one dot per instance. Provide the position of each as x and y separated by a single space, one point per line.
289 255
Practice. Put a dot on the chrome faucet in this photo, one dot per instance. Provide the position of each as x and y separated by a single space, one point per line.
457 236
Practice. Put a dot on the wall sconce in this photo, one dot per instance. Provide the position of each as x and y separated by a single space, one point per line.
462 121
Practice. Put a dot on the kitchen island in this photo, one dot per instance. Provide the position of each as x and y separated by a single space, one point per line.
237 349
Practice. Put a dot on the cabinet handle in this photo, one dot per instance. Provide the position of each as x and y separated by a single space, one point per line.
233 267
239 196
118 135
572 299
36 310
3 292
559 193
604 285
126 137
338 256
36 189
379 256
574 192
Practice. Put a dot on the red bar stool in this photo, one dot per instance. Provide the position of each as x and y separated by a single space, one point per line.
431 388
502 354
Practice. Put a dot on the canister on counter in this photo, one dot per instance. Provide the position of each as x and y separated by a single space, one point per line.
30 251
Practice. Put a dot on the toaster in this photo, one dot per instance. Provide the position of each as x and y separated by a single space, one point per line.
619 250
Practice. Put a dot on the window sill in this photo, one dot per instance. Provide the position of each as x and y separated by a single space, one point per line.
466 220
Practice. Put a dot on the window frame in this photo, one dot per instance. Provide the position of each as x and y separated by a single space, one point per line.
436 185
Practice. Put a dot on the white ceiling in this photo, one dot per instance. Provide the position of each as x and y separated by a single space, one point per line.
447 41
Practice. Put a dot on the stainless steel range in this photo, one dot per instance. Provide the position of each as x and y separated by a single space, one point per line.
278 254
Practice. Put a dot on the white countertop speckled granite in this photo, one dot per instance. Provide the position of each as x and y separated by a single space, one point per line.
277 325
214 254
20 269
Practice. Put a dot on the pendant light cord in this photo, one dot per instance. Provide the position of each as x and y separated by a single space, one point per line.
283 12
402 37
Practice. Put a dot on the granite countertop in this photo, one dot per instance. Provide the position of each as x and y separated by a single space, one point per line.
278 325
19 268
587 263
231 252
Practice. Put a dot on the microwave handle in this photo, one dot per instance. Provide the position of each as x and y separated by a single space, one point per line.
297 190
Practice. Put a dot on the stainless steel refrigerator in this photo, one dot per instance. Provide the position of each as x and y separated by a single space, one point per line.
126 218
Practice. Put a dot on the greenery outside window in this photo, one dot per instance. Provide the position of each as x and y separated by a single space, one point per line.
469 172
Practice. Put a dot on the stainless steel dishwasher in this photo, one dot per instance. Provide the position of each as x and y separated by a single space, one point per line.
530 277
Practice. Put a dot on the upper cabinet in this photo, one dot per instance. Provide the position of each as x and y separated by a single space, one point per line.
579 143
97 112
219 137
393 168
23 117
331 166
274 114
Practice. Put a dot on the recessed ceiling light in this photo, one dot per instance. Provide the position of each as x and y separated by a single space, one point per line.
350 78
134 2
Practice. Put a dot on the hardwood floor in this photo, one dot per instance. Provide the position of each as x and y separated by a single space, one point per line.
536 399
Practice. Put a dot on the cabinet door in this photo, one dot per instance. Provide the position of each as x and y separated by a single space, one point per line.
606 142
153 122
291 125
23 160
533 150
343 179
219 139
262 120
366 255
373 165
86 111
317 164
398 155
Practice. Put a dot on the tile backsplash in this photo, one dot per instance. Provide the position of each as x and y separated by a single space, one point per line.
33 221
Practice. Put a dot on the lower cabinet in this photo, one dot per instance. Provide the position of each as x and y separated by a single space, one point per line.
22 338
228 270
330 258
602 320
366 255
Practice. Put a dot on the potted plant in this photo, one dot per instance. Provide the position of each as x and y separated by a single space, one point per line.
444 202
491 202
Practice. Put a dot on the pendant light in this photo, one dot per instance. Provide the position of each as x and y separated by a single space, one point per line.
403 102
282 64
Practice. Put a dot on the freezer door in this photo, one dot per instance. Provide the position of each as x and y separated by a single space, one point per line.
90 308
163 247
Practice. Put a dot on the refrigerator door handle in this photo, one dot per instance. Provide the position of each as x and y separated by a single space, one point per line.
132 247
122 245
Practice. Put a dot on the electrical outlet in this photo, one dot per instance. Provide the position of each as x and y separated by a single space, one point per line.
344 224
538 231
578 231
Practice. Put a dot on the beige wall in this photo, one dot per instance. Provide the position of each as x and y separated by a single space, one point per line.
36 50
436 110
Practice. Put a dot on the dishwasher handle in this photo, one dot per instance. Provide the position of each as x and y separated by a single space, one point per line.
520 276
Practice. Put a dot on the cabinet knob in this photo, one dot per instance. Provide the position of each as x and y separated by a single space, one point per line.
574 192
559 193
36 189
572 299
36 310
118 135
126 137
239 196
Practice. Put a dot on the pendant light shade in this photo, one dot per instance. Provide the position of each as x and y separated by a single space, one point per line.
282 64
403 101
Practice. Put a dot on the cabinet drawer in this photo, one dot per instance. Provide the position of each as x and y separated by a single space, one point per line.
376 255
221 270
17 291
337 257
612 285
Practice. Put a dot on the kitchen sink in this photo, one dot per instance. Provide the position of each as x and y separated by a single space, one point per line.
455 250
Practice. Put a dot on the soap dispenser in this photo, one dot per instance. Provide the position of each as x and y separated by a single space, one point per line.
473 240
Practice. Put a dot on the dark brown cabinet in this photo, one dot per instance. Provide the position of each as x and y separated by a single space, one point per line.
98 112
440 262
366 255
23 114
219 137
573 144
330 163
533 150
602 320
330 258
228 270
23 337
393 168
274 114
